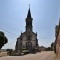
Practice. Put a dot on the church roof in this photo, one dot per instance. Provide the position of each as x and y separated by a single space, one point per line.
29 13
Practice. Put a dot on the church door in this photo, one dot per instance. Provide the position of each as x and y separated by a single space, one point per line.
29 46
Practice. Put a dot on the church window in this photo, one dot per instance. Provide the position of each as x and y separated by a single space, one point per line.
29 37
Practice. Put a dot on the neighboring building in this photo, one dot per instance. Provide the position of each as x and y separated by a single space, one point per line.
28 39
41 48
57 40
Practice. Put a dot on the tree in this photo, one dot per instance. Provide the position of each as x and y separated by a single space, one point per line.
3 39
52 46
10 51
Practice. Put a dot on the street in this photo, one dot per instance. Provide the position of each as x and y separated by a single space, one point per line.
45 55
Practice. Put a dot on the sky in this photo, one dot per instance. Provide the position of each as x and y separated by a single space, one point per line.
45 14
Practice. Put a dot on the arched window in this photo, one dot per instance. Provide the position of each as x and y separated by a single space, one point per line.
29 37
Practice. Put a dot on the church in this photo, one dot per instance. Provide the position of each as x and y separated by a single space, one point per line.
28 39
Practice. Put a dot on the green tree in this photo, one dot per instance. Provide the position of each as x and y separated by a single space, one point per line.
52 46
3 39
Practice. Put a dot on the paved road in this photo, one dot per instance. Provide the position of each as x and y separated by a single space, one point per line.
46 55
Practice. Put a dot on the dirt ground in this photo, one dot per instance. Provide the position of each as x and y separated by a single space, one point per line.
45 55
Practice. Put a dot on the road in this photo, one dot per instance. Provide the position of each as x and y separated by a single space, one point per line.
46 55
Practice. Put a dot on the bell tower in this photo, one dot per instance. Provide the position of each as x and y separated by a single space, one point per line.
29 21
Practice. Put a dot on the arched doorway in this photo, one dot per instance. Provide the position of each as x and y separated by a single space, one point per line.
29 46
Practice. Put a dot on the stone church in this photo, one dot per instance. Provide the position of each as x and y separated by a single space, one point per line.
28 39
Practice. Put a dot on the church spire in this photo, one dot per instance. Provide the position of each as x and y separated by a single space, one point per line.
29 20
29 13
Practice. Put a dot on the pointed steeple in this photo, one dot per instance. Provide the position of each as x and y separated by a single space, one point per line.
29 13
29 21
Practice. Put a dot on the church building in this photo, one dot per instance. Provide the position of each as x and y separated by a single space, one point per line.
28 39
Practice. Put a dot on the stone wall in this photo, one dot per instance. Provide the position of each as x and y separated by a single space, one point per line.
57 40
3 54
58 48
